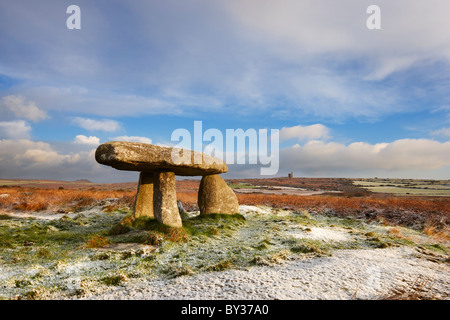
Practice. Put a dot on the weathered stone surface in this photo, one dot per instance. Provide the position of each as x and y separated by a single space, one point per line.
143 206
134 156
165 206
215 196
182 211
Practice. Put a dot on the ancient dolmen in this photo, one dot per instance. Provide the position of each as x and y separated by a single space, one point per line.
156 196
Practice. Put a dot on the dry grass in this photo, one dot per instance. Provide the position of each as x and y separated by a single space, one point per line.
115 279
97 241
420 289
396 232
220 266
436 231
411 211
427 213
424 213
159 230
34 199
399 234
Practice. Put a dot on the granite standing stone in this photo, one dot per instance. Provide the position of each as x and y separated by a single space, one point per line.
215 196
165 205
143 206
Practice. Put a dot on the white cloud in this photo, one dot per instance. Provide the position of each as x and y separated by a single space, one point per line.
133 139
331 158
288 58
390 65
96 125
91 140
302 133
442 132
38 156
107 104
165 145
18 129
21 108
25 155
411 31
418 157
39 160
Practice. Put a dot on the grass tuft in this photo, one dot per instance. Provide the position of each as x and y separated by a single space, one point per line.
220 266
420 289
97 241
153 239
114 280
174 272
166 232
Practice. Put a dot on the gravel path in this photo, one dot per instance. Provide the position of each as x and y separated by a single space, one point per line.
348 274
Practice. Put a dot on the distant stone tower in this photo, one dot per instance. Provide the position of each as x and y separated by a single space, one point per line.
291 174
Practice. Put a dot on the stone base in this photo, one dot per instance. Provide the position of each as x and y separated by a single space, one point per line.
157 198
165 206
215 196
143 206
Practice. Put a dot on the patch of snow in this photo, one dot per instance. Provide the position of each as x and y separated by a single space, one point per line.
320 234
48 215
248 210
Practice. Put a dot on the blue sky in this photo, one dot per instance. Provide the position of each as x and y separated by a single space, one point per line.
348 101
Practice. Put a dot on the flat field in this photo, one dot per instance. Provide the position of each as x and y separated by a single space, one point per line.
404 187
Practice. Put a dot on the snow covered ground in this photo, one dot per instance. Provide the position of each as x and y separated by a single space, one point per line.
345 270
347 274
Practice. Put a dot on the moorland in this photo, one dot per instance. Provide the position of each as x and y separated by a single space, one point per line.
75 239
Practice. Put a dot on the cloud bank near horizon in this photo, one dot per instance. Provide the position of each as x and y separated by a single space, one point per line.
413 158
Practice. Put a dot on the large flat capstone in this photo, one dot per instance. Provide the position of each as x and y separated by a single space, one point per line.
143 157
